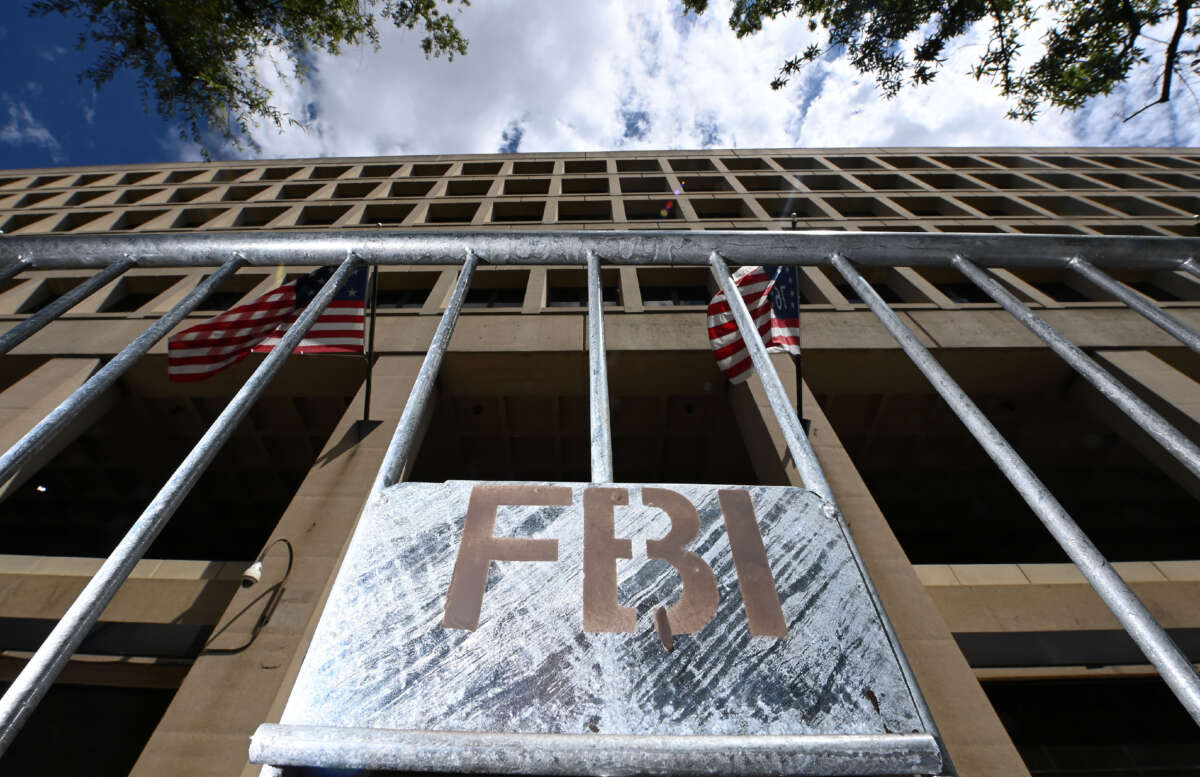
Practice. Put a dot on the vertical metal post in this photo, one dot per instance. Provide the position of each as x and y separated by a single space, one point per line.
1158 647
13 269
38 674
1190 267
1165 321
399 449
374 293
39 436
1170 438
24 330
602 468
785 414
814 477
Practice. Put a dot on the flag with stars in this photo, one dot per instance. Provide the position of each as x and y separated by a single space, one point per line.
772 297
258 326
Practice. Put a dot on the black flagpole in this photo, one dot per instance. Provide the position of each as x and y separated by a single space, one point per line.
373 290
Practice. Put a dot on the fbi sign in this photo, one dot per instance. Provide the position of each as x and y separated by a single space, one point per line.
602 610
537 609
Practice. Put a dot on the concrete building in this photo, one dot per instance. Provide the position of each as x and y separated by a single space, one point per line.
1025 669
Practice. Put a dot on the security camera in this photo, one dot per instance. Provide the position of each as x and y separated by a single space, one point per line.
252 574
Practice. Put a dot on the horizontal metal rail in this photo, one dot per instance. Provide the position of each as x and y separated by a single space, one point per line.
1153 313
1152 638
41 434
602 463
665 248
39 673
400 449
30 326
1170 438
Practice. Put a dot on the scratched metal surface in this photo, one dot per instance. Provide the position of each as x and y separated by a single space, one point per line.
380 657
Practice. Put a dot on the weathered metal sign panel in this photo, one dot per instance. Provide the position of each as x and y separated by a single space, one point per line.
570 628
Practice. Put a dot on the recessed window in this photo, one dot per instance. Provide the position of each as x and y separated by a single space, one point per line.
929 206
874 277
231 174
533 168
134 291
585 186
909 162
179 176
83 180
1066 206
1066 161
675 287
1065 181
46 292
860 207
243 193
1118 161
998 206
1175 179
1123 180
568 288
584 210
1153 291
497 289
1133 206
1047 229
258 217
651 210
691 165
298 191
1124 228
1008 181
386 213
47 180
451 212
706 183
187 194
468 188
638 166
410 188
33 199
230 292
855 163
321 215
766 183
946 181
429 170
820 183
196 217
644 185
573 166
722 208
346 191
881 181
379 171
1013 162
518 211
745 163
279 173
787 207
404 290
130 196
79 198
959 161
526 186
132 219
78 219
954 286
326 173
132 178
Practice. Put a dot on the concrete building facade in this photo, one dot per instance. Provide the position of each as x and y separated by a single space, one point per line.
1025 669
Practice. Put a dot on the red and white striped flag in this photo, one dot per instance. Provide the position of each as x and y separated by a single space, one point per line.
205 349
772 298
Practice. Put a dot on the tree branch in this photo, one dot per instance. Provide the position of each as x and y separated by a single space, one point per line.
1182 7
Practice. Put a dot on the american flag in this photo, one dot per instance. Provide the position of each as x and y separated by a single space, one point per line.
771 296
205 349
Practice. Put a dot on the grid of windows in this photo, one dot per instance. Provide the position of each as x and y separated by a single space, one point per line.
1131 193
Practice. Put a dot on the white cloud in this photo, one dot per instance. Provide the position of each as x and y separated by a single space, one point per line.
576 76
23 128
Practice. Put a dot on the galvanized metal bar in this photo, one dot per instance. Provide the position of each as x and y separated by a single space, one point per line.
13 269
814 477
1156 315
797 441
1190 267
570 754
400 448
39 436
665 248
39 673
602 467
27 328
1170 438
1153 640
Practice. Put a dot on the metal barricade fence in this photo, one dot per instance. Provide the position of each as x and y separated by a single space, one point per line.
970 254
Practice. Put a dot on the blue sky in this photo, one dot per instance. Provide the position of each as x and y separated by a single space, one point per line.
547 75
